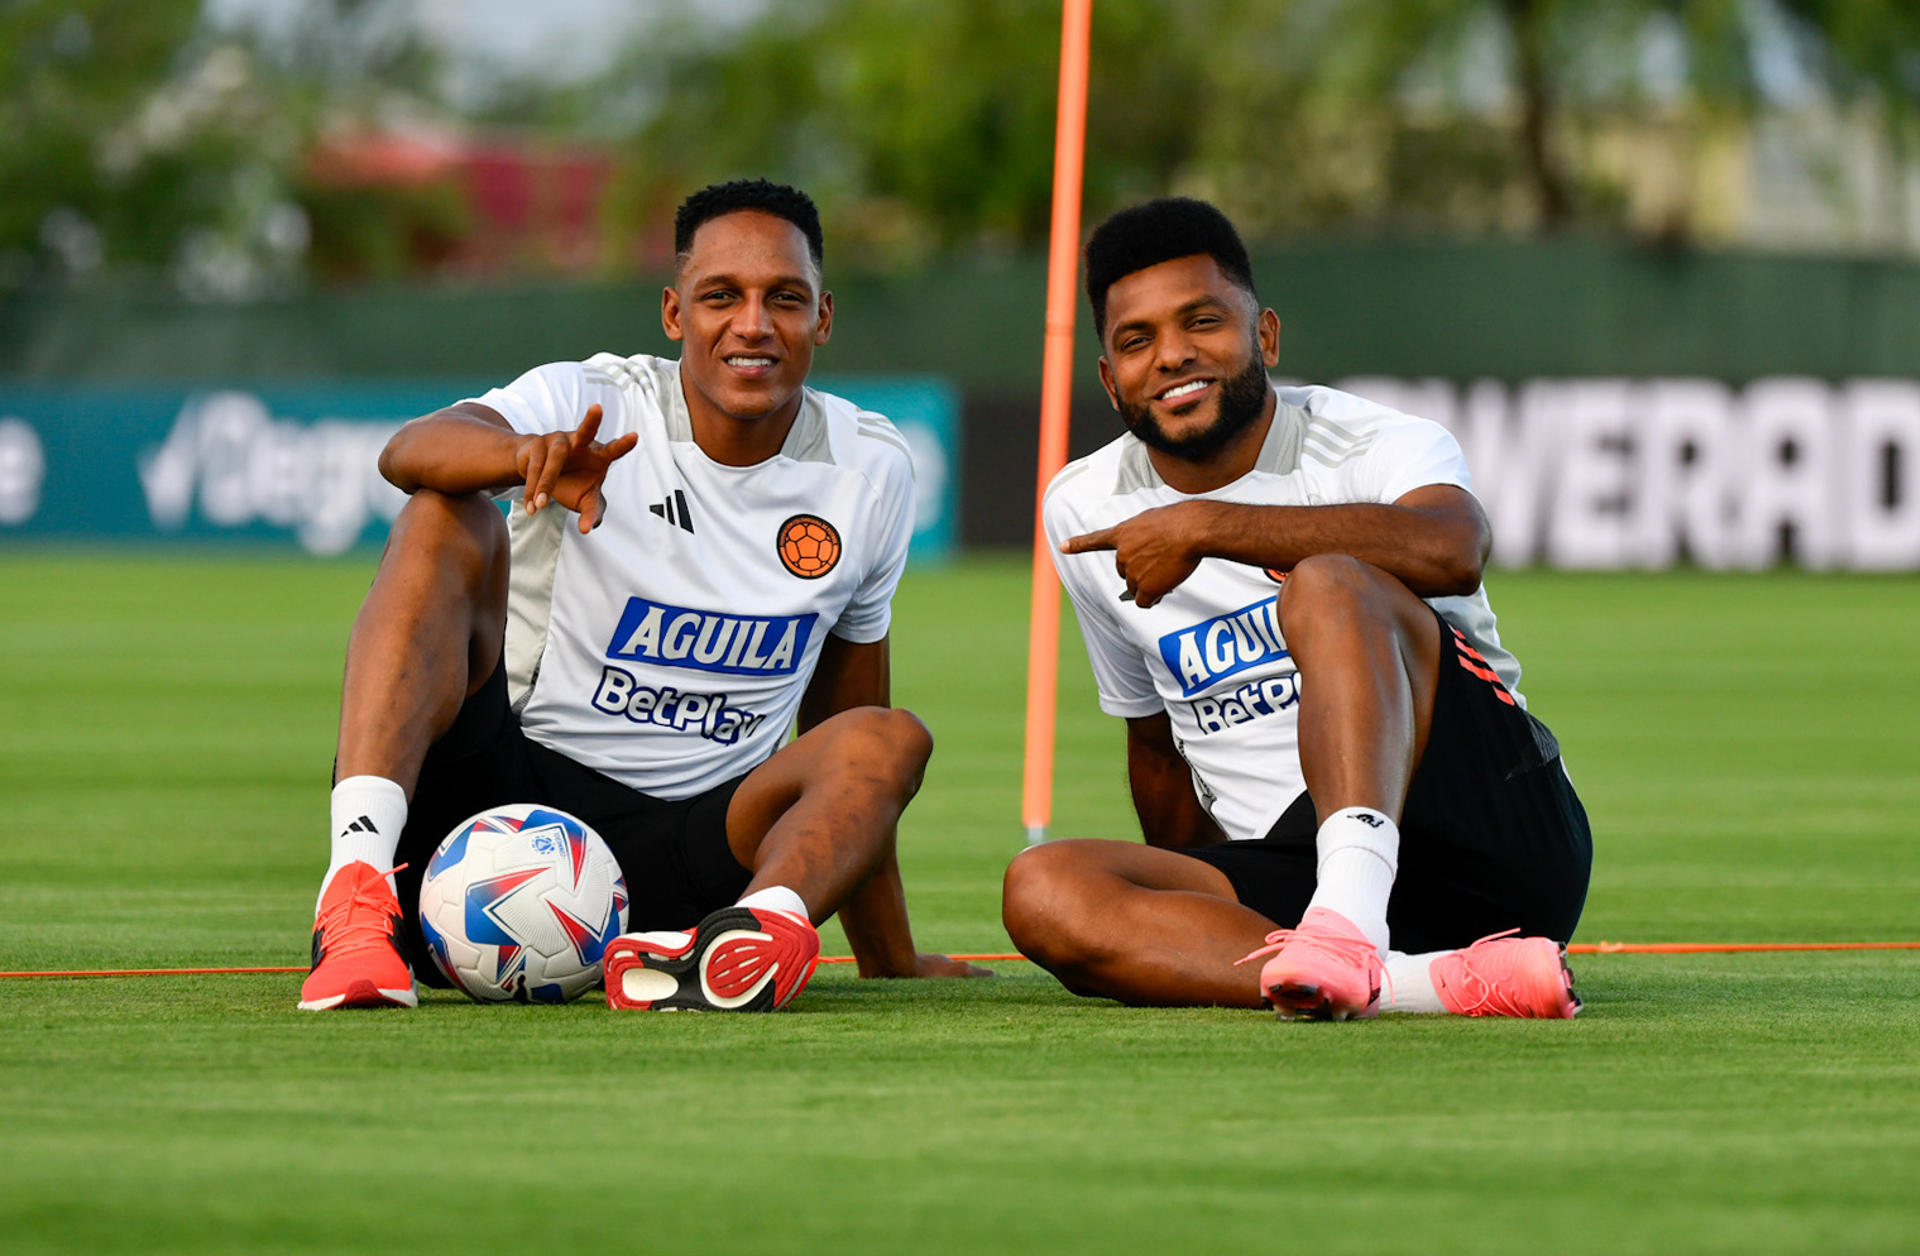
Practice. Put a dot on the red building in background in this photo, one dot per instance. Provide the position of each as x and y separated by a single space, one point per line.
484 205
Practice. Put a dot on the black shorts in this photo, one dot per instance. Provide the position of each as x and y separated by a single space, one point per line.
1492 837
674 854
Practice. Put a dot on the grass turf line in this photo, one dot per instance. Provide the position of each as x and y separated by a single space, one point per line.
1744 745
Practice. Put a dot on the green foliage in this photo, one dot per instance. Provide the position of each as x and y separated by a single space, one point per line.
382 231
141 137
931 125
73 80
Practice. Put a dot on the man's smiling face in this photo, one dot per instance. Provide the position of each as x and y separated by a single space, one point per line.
748 306
1186 356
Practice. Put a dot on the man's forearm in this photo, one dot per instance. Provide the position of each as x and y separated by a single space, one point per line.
1435 553
455 450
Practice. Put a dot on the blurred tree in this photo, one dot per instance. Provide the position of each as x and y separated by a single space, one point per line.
930 125
346 70
140 139
1869 53
95 171
926 126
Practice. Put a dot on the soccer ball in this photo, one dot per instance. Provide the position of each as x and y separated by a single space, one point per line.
519 903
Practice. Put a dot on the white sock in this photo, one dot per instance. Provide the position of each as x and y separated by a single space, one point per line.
368 814
1359 851
777 898
1409 985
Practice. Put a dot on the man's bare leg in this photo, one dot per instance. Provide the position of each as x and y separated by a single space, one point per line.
1135 923
820 818
428 634
815 825
1369 657
1155 927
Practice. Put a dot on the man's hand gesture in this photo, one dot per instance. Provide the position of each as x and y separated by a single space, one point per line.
1153 551
568 467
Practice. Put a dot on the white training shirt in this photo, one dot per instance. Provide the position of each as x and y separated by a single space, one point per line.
669 649
1211 653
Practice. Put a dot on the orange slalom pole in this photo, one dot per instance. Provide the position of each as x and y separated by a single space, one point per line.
1056 396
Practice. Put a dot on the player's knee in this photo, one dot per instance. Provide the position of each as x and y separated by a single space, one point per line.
464 529
1035 906
911 738
888 742
1328 588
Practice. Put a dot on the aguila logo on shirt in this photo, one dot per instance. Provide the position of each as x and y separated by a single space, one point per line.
809 546
711 641
1210 651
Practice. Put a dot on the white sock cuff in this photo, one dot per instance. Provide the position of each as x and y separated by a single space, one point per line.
368 814
373 788
1363 829
777 898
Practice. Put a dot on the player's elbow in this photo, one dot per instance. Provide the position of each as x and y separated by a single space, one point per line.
1458 573
395 462
1457 560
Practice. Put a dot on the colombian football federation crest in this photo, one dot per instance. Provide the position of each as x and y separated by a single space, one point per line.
809 546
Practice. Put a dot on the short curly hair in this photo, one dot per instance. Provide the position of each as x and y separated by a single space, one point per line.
726 198
1160 231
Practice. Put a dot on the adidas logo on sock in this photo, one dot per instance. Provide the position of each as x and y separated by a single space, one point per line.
363 825
674 510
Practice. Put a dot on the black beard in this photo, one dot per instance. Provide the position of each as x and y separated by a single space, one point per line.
1242 398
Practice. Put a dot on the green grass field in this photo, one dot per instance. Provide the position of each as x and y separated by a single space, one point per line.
1748 749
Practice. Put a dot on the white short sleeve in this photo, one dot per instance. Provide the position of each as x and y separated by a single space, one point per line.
550 398
870 613
1119 673
1408 454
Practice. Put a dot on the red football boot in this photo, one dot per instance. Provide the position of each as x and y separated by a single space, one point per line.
739 959
356 945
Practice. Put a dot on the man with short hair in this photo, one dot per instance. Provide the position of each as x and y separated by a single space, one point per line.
640 664
1331 760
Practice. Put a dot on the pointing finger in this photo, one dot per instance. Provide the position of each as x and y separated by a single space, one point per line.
1088 541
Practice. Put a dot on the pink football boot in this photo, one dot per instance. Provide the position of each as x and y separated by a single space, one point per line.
1502 975
1322 969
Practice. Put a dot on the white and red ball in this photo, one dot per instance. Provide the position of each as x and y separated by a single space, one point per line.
520 902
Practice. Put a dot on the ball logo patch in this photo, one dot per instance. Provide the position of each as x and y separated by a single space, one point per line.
809 546
1278 577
